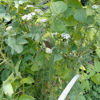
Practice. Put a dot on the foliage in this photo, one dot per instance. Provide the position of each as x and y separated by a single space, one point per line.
44 43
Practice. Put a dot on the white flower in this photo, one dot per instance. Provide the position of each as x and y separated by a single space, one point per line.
24 17
43 20
83 44
28 16
33 13
48 50
56 33
39 11
73 51
29 6
75 41
8 28
21 2
95 6
53 34
16 5
65 35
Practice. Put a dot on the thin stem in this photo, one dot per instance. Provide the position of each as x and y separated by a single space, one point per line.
2 62
23 89
5 59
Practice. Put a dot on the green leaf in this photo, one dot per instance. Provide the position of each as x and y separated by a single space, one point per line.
11 41
5 74
80 15
17 66
2 11
1 94
21 41
7 17
74 3
85 85
98 52
97 19
90 70
69 12
57 57
37 37
4 14
70 21
26 97
77 93
91 33
18 48
78 97
28 80
90 20
67 74
90 11
58 25
35 67
96 78
58 7
9 79
18 74
7 87
97 65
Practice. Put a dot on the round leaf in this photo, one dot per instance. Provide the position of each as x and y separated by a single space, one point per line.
96 78
58 7
26 97
80 15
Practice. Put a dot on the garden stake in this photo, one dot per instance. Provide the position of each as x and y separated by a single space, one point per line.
68 88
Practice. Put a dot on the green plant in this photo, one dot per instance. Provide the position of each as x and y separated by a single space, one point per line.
43 45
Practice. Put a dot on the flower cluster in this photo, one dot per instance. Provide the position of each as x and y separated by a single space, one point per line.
65 35
48 50
95 6
28 16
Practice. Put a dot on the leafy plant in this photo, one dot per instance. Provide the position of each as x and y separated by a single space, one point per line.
44 43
